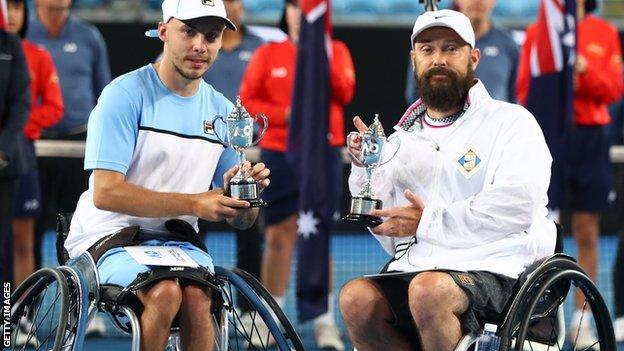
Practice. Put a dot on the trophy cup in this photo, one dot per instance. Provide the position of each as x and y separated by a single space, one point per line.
373 142
240 128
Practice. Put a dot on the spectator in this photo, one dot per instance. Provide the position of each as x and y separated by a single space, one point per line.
46 108
267 87
225 76
499 53
14 109
584 166
80 56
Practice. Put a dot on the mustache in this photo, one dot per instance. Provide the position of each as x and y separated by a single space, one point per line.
439 71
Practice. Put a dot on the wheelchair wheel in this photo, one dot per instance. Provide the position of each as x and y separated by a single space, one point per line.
40 313
539 324
264 327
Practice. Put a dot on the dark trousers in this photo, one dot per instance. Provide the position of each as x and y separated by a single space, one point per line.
248 251
618 282
63 180
7 202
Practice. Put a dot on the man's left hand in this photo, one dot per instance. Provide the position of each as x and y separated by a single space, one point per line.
400 221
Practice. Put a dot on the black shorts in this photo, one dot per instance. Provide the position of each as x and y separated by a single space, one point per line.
582 170
488 295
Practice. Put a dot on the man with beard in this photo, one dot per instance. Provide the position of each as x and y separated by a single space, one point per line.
464 203
154 153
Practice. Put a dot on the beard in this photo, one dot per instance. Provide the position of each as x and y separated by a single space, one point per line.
190 75
448 94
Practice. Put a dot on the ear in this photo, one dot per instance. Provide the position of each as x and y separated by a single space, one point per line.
475 57
412 59
162 31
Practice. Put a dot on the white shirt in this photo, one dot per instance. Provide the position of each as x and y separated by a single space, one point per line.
484 186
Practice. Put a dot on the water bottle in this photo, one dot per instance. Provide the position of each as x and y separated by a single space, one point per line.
488 340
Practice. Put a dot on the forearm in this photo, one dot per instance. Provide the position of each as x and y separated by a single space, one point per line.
137 201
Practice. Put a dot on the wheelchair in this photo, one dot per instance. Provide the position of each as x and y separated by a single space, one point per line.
534 318
52 308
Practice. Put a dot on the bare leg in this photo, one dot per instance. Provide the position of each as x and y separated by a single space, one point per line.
368 317
196 329
281 238
585 229
436 303
162 302
23 248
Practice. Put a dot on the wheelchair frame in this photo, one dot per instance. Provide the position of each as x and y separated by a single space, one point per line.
82 295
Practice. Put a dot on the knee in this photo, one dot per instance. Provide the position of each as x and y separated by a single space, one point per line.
196 300
163 299
428 295
360 302
281 237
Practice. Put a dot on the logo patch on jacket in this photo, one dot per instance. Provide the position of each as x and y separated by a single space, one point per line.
469 162
208 129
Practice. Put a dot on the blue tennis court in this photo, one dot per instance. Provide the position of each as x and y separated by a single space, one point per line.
354 254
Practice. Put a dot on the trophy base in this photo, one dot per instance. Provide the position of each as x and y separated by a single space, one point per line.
362 219
247 191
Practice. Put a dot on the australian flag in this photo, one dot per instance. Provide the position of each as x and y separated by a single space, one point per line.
308 152
551 90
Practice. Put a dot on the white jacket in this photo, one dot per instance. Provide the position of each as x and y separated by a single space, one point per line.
484 188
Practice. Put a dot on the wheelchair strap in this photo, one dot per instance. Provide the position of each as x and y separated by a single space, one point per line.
178 230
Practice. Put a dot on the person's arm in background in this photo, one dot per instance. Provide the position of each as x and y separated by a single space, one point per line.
513 53
101 68
602 80
50 109
410 85
342 74
18 102
253 92
523 79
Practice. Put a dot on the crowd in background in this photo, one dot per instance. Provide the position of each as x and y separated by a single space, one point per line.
60 65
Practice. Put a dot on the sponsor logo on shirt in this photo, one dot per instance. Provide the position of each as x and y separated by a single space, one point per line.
491 51
208 129
245 55
469 162
70 47
279 72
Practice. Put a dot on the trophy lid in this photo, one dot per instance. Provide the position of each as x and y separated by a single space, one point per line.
376 130
239 111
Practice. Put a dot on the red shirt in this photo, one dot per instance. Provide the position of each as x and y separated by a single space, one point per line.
46 101
601 82
268 85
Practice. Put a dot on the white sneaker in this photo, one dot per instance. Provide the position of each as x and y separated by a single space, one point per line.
328 338
97 327
21 337
586 338
618 329
260 335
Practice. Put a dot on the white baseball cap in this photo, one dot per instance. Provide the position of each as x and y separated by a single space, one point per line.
190 9
457 21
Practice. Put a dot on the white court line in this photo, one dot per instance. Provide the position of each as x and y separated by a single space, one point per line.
67 148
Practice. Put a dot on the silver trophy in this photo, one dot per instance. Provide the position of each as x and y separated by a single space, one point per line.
240 130
373 142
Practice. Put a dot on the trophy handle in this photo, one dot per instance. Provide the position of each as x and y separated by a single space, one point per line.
396 150
219 118
265 125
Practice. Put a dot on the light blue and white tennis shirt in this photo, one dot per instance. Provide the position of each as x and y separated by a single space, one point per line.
158 140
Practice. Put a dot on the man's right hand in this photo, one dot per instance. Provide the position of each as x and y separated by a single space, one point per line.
214 206
354 141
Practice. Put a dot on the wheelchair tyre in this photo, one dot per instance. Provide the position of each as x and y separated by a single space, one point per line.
604 338
41 311
258 329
